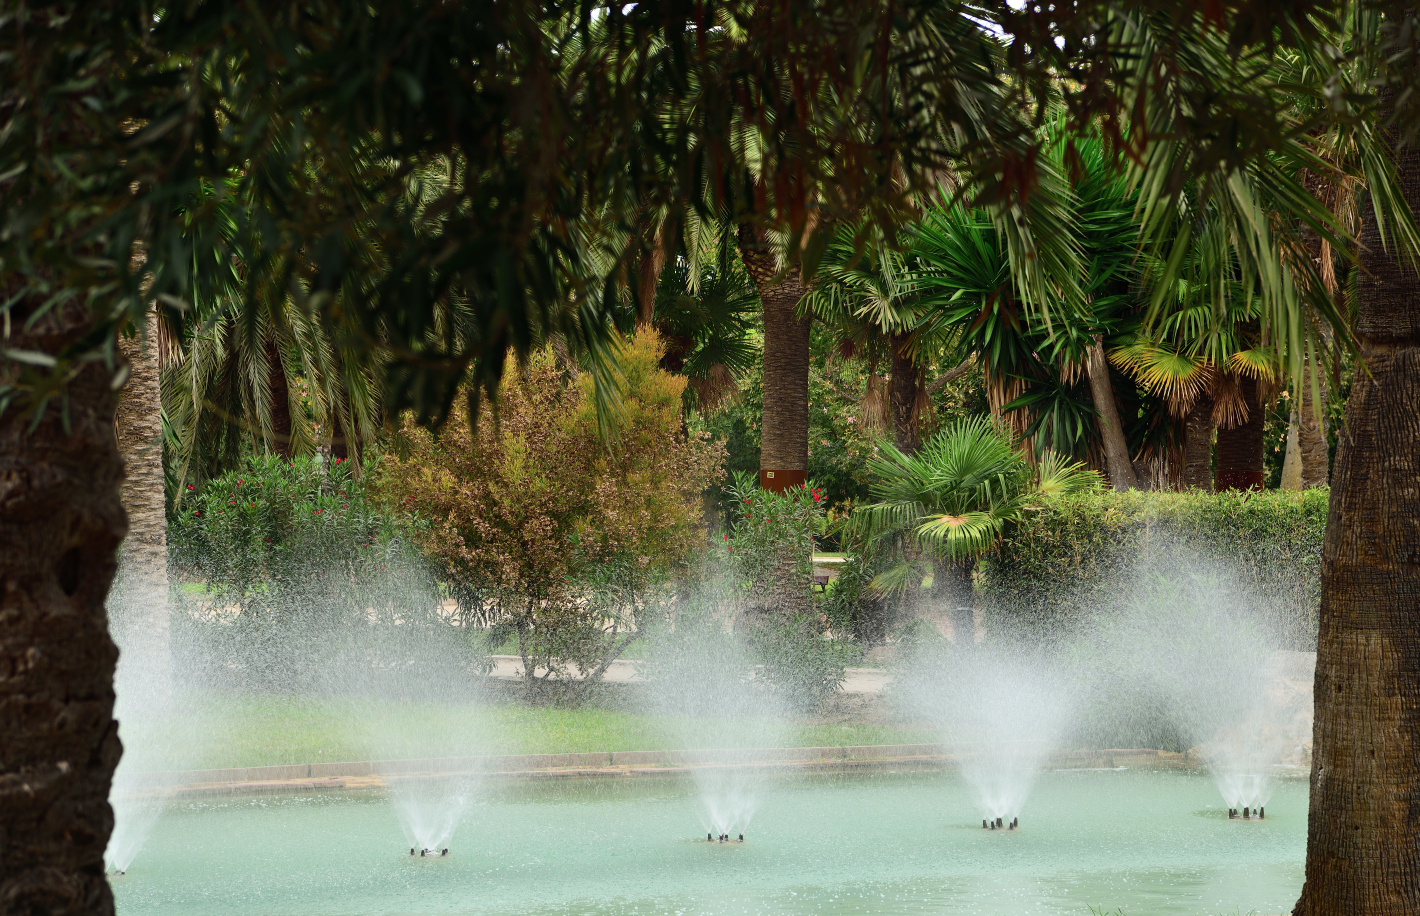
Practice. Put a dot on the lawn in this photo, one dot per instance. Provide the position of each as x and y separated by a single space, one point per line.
225 730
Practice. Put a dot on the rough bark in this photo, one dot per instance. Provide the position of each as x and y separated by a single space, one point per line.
1240 447
1116 449
280 402
903 395
784 427
1311 435
653 262
61 522
1292 461
1363 832
1198 446
141 625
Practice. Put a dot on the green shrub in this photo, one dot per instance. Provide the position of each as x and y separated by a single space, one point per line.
1060 563
853 606
291 572
770 546
773 535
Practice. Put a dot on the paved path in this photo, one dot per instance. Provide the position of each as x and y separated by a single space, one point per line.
858 681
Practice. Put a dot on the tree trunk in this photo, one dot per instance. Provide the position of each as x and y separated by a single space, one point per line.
1198 447
1240 448
1363 832
784 427
1292 460
141 622
61 522
1116 449
653 262
1311 434
904 394
281 442
952 591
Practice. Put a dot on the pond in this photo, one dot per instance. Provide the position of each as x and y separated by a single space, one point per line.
1144 842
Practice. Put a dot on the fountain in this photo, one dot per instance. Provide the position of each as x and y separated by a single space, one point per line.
702 683
1208 654
144 708
403 685
999 709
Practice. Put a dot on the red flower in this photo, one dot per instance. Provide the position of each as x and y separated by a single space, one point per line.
191 487
253 505
240 481
317 511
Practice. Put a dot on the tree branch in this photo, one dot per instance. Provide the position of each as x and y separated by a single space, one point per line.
951 375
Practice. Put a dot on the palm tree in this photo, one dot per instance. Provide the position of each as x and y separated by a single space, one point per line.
138 429
950 502
868 296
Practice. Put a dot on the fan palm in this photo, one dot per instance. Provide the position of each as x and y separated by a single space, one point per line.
951 501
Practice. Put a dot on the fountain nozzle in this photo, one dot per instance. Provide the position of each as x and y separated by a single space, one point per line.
1245 812
742 838
1260 813
983 823
1015 822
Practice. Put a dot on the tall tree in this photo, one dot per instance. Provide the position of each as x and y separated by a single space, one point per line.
1363 837
784 427
138 428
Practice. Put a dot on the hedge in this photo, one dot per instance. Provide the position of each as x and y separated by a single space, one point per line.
1065 561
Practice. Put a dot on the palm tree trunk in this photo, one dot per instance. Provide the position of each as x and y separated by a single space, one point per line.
142 626
281 442
1363 834
61 522
1311 435
649 271
903 396
952 590
1240 448
1116 449
784 427
1292 460
1198 446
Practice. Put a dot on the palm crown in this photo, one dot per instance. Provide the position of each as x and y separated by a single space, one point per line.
954 497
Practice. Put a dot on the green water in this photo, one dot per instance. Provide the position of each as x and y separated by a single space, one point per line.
1146 842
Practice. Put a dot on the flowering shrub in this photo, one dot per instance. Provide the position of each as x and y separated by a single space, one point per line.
770 545
775 532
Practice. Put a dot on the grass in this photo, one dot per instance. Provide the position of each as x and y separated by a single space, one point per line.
226 730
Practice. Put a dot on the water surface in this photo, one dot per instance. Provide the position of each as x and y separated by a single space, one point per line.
1155 843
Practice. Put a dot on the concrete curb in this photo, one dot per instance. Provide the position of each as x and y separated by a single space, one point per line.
379 773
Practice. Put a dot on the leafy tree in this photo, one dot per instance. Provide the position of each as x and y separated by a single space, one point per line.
545 533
